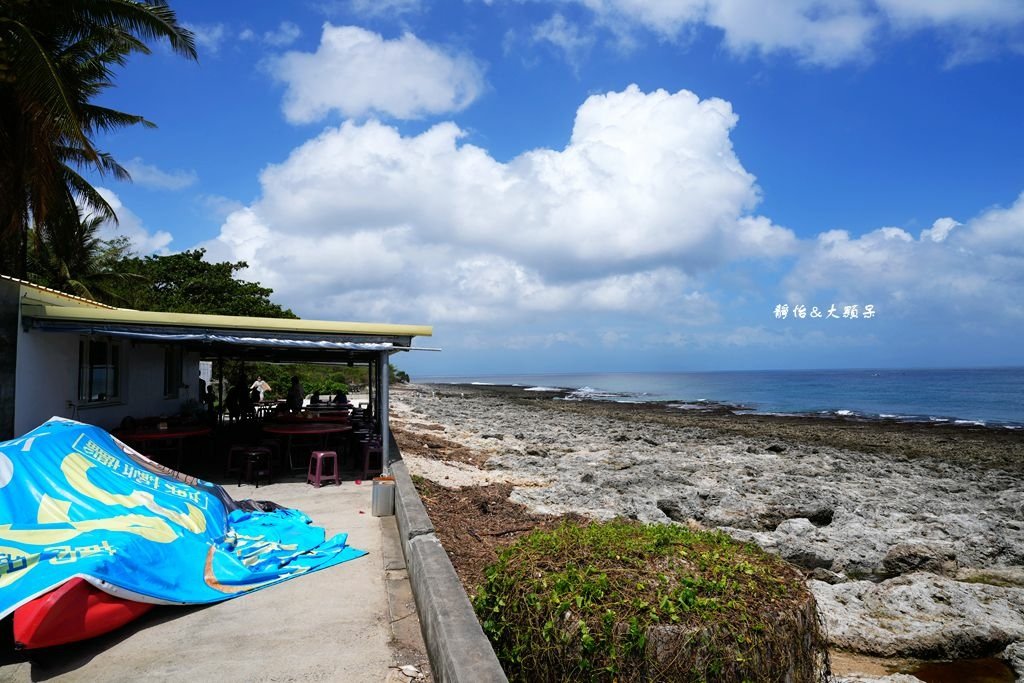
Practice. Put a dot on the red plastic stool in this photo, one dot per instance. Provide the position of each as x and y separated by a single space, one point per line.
316 475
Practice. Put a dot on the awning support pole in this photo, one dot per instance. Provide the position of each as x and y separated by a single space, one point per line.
220 388
371 382
382 396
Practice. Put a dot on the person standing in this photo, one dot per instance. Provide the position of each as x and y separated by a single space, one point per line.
261 386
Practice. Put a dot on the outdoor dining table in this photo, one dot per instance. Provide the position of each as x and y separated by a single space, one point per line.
311 418
175 435
327 407
291 429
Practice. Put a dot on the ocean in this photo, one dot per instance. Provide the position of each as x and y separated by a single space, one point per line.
978 396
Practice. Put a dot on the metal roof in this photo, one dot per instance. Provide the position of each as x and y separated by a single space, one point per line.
46 309
227 322
40 294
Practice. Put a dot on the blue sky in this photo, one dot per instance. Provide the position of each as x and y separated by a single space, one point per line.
603 185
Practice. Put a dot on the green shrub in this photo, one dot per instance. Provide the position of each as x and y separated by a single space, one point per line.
624 601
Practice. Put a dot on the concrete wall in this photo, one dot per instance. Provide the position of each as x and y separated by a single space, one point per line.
47 382
458 649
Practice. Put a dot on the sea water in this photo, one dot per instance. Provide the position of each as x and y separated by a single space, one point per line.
971 396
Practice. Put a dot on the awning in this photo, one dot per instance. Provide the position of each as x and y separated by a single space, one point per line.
245 343
283 340
275 342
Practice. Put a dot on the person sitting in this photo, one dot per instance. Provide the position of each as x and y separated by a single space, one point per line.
296 395
249 405
210 402
341 398
233 402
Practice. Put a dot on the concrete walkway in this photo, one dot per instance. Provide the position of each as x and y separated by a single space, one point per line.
354 622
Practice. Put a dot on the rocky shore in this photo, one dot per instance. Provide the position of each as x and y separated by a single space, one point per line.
911 535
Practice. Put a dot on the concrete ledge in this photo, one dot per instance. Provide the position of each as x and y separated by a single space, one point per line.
458 649
413 519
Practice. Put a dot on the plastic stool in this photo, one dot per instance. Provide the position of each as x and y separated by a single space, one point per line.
257 465
275 453
236 458
316 475
372 447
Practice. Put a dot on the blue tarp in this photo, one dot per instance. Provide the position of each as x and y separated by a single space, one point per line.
75 501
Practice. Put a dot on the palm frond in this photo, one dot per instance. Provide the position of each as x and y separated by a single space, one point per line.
107 120
38 76
151 20
88 195
56 58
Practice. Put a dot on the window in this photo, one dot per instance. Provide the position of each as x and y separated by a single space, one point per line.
172 372
99 371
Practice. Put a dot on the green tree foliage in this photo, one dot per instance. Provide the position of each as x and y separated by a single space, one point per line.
396 376
68 256
185 283
56 58
325 380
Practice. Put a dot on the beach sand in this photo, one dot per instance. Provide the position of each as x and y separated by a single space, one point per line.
911 535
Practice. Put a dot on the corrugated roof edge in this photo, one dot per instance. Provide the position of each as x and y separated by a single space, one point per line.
54 293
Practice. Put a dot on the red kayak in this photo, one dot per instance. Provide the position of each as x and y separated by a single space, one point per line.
75 611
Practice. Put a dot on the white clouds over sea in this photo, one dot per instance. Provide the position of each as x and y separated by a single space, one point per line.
972 270
467 179
632 220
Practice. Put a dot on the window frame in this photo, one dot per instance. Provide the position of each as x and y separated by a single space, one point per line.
174 359
113 377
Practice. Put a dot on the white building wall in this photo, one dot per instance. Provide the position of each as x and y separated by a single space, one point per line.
206 370
47 382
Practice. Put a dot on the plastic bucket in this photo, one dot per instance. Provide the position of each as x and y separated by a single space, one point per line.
382 502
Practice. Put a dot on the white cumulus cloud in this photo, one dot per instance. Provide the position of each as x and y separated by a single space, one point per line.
827 32
975 268
647 194
940 230
357 73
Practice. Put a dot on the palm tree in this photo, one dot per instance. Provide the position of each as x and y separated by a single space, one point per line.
66 253
56 56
